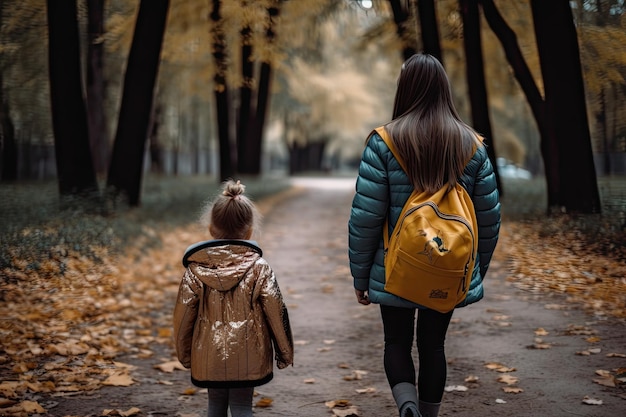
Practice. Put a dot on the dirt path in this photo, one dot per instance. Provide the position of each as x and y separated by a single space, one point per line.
339 342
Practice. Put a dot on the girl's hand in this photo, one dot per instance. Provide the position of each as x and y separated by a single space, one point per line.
361 297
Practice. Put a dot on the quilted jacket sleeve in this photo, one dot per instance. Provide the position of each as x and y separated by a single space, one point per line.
185 314
487 205
277 317
368 213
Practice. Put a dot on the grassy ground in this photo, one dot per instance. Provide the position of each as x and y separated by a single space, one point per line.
33 221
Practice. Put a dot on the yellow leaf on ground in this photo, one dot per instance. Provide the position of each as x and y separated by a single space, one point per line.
508 379
119 380
337 403
170 366
351 411
264 402
32 407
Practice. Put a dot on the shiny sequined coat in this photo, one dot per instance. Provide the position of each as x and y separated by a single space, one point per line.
230 319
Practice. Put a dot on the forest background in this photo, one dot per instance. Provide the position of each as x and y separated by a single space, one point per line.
248 87
149 104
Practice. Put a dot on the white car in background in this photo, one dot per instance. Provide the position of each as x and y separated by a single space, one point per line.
508 169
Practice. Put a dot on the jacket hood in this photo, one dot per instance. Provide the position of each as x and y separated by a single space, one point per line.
221 264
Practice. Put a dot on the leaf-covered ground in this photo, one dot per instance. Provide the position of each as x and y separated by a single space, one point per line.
81 290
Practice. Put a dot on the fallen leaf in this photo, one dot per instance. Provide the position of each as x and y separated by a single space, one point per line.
541 332
32 407
500 401
499 367
264 402
189 391
508 379
591 401
170 366
351 411
130 412
119 380
337 403
368 390
471 378
356 375
451 388
539 346
616 355
607 381
512 390
309 381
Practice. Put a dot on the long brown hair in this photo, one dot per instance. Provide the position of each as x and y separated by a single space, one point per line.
426 128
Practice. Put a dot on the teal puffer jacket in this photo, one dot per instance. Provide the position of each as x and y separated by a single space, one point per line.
382 188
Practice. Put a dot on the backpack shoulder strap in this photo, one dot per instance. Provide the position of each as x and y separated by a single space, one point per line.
389 142
387 139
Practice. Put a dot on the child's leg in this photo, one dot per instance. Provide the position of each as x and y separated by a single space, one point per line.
240 400
218 402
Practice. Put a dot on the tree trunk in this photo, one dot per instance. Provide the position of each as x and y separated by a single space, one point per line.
155 147
557 43
69 117
476 78
8 147
126 168
430 30
401 17
245 158
263 95
98 137
221 92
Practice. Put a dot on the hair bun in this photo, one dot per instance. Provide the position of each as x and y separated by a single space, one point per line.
233 189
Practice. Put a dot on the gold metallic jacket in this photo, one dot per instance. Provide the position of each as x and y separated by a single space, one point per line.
230 317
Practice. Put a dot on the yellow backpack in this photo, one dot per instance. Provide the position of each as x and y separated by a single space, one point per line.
430 257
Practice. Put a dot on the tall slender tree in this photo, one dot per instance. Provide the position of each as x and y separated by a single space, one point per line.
222 102
125 172
69 117
569 145
402 17
8 147
245 159
427 14
476 77
95 86
263 91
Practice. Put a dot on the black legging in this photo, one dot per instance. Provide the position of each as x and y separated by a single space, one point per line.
399 325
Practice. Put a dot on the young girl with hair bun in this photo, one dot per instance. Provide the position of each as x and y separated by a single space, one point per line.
230 320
